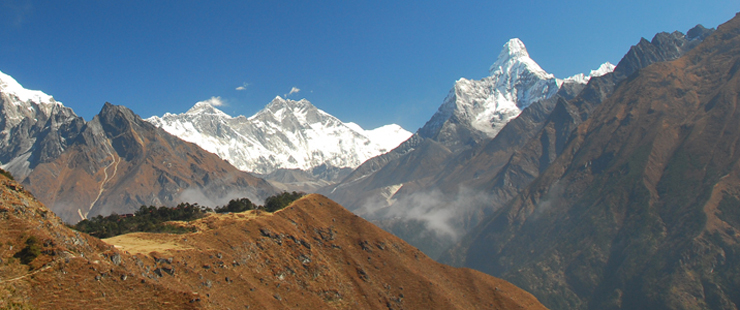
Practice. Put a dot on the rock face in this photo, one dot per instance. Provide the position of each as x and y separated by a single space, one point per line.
478 109
639 209
34 128
312 255
459 186
507 164
285 135
119 162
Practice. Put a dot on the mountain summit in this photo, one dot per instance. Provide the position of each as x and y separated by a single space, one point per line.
286 134
476 110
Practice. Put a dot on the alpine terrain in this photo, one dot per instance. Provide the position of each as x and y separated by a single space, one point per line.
112 164
288 141
399 190
312 255
639 208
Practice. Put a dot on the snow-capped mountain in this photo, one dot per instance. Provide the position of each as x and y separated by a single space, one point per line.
581 78
483 107
33 127
286 134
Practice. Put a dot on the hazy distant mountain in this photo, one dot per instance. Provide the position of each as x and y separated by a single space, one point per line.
285 135
640 207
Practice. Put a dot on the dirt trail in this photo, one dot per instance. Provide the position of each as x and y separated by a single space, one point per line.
114 163
26 275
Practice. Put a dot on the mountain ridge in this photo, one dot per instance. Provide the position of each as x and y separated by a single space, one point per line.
119 162
286 134
639 210
313 254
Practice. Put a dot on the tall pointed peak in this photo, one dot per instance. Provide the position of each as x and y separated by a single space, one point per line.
514 57
513 51
514 48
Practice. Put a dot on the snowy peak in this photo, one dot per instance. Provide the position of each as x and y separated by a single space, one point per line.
207 107
286 134
581 78
605 68
285 109
25 102
514 57
513 51
480 108
10 86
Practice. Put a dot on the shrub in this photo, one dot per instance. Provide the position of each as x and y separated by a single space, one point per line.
280 201
7 174
237 205
30 251
146 219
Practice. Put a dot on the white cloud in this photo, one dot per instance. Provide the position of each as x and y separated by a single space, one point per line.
214 101
243 86
293 90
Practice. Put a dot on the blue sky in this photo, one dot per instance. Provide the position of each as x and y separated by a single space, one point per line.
369 62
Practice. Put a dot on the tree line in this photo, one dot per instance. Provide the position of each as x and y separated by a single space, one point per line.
153 219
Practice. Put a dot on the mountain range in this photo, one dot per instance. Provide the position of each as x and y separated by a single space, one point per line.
114 163
285 135
613 190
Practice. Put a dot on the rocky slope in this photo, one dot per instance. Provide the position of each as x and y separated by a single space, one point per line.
34 128
390 188
311 255
504 166
119 162
459 186
285 135
640 208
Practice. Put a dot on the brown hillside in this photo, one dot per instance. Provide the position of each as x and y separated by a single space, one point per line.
641 210
311 255
120 162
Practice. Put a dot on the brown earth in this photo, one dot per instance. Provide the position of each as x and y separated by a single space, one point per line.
313 254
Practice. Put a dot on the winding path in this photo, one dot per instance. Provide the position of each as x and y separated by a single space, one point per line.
116 161
26 275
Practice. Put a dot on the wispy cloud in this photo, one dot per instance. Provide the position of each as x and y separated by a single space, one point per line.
243 86
214 101
293 90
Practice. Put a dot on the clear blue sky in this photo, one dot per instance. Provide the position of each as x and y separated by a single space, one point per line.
369 62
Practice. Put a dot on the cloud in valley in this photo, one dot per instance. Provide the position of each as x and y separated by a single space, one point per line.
447 215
